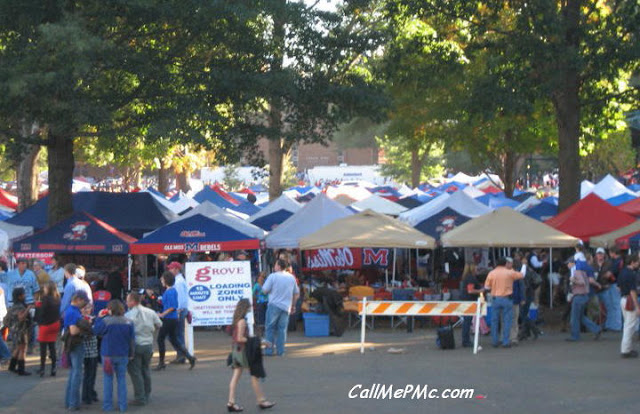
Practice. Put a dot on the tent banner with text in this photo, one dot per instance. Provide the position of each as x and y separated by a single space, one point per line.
215 288
346 258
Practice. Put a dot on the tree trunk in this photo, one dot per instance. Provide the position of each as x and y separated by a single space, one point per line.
416 167
566 102
27 178
61 163
277 146
182 182
163 178
276 156
509 166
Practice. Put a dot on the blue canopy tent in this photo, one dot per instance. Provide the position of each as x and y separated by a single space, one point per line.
270 221
550 200
620 199
81 233
542 211
409 202
156 192
520 196
496 202
131 213
634 187
194 234
222 201
440 223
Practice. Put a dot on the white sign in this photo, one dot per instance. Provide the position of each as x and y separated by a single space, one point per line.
215 288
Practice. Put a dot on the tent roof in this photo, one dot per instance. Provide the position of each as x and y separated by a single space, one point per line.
182 202
318 213
214 212
631 207
355 193
283 202
14 231
409 202
379 205
621 199
506 227
196 233
527 204
442 222
472 192
80 233
542 211
367 229
497 201
609 239
273 220
8 200
586 187
609 187
221 198
590 217
132 213
458 201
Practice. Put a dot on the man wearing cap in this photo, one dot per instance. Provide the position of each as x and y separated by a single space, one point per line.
500 283
580 283
183 306
608 294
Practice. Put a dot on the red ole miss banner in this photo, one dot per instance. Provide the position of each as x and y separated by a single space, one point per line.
345 258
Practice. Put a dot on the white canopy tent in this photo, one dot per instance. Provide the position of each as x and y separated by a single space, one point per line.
284 202
458 201
316 214
379 205
212 211
609 187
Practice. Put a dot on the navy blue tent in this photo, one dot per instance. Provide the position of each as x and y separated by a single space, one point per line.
270 221
521 196
131 213
442 222
409 202
194 234
81 233
542 211
224 200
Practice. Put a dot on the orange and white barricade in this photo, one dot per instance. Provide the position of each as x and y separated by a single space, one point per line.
420 308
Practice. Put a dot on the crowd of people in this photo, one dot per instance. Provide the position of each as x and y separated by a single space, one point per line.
95 329
92 328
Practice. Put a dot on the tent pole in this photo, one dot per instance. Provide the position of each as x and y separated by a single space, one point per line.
129 263
394 266
259 260
550 278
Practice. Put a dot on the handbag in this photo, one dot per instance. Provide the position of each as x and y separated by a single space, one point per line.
65 362
107 365
629 306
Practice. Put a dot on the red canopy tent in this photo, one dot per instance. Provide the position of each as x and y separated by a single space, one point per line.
589 217
8 200
631 207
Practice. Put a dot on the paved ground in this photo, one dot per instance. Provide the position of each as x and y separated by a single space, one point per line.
549 375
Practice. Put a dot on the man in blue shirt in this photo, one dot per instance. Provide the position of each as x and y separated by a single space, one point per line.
73 285
25 278
183 305
72 320
283 293
169 317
